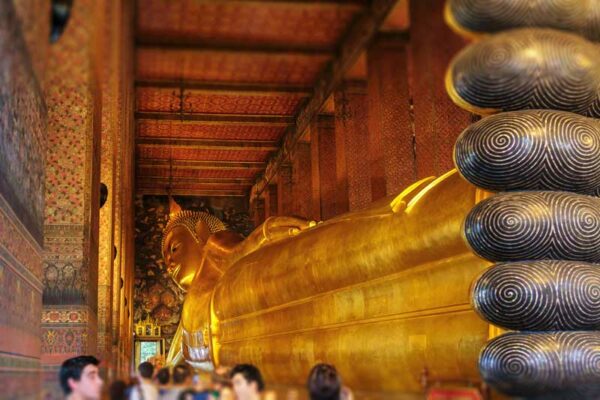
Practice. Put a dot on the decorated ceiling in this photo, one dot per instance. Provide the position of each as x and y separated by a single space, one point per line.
218 85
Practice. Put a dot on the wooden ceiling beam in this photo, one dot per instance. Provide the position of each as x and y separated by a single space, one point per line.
238 119
191 192
208 143
354 42
166 43
267 89
150 179
200 165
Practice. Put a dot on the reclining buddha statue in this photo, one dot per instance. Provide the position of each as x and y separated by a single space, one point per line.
382 294
416 285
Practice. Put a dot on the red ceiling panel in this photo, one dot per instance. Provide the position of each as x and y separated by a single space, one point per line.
200 101
184 153
223 66
202 130
315 25
177 172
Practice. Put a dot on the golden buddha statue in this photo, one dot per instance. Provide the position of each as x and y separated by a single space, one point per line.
383 293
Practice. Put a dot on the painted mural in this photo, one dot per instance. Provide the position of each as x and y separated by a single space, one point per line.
22 127
155 292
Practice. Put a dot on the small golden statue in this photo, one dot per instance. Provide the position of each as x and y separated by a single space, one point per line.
383 293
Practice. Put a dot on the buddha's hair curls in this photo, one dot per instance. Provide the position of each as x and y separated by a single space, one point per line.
189 220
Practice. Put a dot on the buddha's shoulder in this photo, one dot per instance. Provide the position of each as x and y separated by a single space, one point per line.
224 239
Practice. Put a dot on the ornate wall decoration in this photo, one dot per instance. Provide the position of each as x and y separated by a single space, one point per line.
531 150
540 295
22 127
473 17
527 69
23 121
155 293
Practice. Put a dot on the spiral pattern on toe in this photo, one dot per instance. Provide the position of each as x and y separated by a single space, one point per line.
528 364
527 69
540 295
531 150
489 16
535 226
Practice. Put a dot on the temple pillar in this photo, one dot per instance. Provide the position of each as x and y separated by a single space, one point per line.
315 181
69 321
284 190
391 137
267 201
257 210
324 135
24 33
351 140
437 121
301 181
271 202
112 114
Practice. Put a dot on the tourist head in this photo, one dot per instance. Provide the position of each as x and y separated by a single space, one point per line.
181 374
324 383
79 376
247 381
163 376
146 370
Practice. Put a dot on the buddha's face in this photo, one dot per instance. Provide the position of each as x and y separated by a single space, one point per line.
182 255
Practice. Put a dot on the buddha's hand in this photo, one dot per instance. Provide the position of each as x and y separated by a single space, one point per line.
195 347
275 228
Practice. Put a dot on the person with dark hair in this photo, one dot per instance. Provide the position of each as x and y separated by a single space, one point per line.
182 380
145 389
163 376
221 384
79 378
247 382
324 383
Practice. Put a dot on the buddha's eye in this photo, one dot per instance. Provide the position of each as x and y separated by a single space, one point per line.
174 247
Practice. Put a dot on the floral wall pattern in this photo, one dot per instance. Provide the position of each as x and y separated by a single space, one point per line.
155 292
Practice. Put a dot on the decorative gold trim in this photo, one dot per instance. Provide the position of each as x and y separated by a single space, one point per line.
147 328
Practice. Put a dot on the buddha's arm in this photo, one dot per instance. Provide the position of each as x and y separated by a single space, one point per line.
175 355
270 231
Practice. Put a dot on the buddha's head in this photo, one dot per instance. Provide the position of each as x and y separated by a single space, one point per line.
183 239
